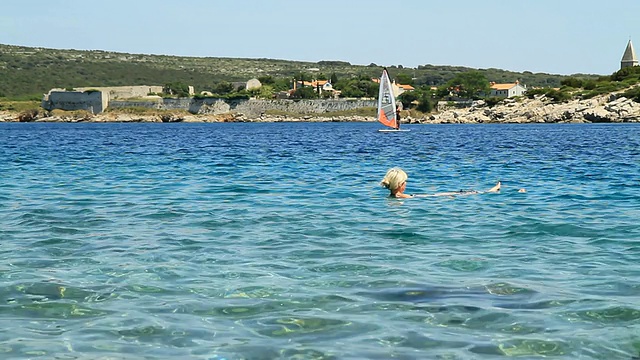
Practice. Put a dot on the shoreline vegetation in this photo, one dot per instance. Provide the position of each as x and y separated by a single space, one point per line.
615 107
456 95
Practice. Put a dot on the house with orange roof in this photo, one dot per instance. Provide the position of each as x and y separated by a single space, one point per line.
397 88
402 88
318 86
507 90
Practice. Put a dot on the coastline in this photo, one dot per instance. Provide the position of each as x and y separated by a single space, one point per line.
609 108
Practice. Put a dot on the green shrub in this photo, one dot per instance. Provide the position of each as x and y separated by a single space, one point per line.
558 95
572 82
424 103
493 101
625 73
633 94
589 85
534 92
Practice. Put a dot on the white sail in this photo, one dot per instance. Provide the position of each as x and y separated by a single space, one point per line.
386 102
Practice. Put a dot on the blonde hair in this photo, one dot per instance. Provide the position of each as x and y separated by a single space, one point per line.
394 178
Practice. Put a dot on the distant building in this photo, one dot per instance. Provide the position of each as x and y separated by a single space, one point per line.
254 84
629 58
246 85
96 99
400 88
395 87
319 86
93 101
507 90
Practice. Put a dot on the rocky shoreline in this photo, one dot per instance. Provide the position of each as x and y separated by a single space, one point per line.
603 109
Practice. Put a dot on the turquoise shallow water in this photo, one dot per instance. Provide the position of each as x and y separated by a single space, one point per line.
274 241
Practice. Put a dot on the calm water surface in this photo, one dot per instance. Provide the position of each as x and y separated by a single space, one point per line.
274 241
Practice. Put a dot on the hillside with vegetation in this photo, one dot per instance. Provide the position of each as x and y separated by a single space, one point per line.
607 99
27 72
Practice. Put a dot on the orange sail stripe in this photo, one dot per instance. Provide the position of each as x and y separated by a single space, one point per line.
382 117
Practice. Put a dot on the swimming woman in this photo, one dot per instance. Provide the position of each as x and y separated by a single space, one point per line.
396 181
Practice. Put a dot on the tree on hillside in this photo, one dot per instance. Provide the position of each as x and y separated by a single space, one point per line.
404 79
176 88
469 84
407 98
282 84
266 80
334 78
424 103
263 92
306 92
303 77
360 86
222 88
572 82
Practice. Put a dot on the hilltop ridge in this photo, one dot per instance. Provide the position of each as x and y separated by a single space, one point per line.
32 71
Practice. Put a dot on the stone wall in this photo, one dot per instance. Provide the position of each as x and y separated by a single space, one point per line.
249 107
94 102
126 92
255 107
95 99
153 103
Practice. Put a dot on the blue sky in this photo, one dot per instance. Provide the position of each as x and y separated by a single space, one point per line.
558 37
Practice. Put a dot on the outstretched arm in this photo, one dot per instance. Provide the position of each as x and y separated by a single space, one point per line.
494 189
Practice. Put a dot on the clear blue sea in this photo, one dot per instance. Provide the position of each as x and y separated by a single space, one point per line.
275 241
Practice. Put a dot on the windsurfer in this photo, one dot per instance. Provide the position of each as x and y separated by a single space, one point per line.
398 109
396 181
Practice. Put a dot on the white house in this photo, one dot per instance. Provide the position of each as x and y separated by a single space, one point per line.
507 90
319 86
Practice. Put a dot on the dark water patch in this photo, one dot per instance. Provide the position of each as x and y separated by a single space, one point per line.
505 324
556 229
610 287
270 352
59 230
611 315
318 328
506 289
147 289
536 305
418 341
337 268
58 241
54 310
256 308
430 294
403 235
524 348
465 265
163 215
46 291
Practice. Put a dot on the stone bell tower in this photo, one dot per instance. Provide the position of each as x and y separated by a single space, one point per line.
629 58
